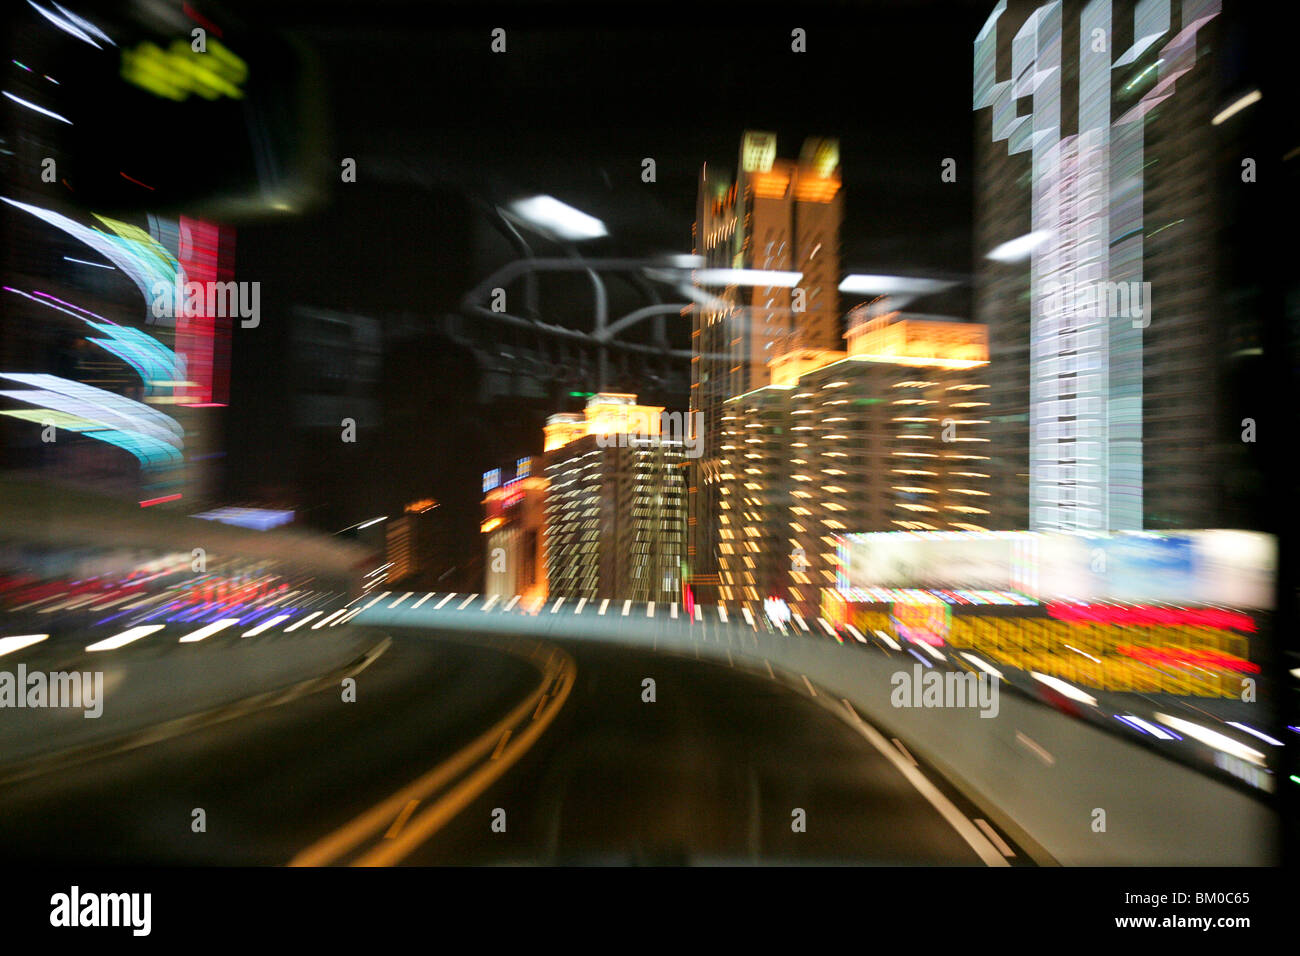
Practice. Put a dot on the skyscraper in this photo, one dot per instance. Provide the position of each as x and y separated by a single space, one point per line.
1097 208
776 215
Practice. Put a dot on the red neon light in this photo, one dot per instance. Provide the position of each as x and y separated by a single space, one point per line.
1179 657
136 181
200 19
1146 616
150 502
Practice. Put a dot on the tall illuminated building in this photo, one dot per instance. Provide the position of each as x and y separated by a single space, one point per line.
1097 213
887 434
777 215
514 518
615 503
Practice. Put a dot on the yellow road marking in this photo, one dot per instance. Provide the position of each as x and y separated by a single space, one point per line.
331 847
401 818
501 745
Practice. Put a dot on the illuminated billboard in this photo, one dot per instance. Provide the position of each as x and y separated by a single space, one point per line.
1231 568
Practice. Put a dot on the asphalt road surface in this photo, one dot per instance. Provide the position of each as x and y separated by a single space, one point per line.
510 752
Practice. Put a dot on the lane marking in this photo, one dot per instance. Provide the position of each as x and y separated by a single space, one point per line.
490 602
556 606
650 609
376 600
906 753
325 620
10 644
330 848
438 606
540 704
208 630
294 627
466 791
125 638
421 601
627 608
582 602
808 684
993 835
400 599
401 819
466 601
265 625
501 745
959 822
512 602
1035 748
603 605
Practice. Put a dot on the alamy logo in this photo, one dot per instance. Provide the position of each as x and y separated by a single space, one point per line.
673 426
55 689
75 908
1099 300
930 688
224 300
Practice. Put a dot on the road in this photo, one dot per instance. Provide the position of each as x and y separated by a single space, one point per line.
505 751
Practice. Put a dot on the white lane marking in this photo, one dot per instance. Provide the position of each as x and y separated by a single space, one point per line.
829 630
461 607
264 626
347 617
650 609
808 684
556 606
208 630
603 605
126 637
906 753
672 610
421 601
722 613
965 829
439 605
887 639
627 608
802 626
1035 748
16 643
377 600
512 602
325 620
699 614
582 602
856 634
491 602
993 835
401 599
749 618
298 624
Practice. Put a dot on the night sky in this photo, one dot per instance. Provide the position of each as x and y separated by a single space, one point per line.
442 128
